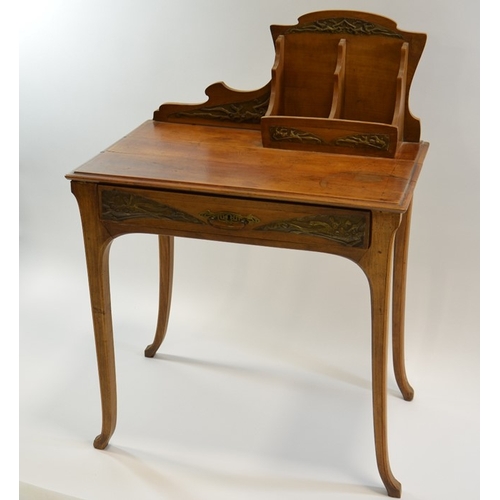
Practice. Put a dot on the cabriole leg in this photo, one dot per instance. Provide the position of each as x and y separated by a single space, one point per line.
376 264
166 253
97 245
398 305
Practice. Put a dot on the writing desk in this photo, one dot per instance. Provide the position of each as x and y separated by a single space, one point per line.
220 183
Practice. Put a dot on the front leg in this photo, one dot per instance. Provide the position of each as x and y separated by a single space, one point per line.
97 245
376 264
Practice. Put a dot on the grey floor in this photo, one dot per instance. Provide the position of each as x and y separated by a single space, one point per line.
261 389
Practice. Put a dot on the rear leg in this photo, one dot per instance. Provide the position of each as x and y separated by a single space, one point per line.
166 247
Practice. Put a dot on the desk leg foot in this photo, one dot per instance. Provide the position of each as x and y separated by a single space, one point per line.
377 266
379 381
398 305
103 333
101 442
166 253
394 489
97 242
150 351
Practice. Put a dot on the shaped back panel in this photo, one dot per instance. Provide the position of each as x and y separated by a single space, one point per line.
373 56
340 84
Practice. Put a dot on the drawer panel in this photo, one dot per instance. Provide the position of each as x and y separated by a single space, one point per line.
234 219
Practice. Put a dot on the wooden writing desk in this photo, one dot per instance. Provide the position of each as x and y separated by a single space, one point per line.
191 172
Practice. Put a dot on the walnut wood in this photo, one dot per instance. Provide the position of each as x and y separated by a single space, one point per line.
175 176
341 65
276 99
338 98
325 135
364 28
210 160
166 255
97 245
398 304
159 150
324 229
376 264
225 107
335 94
400 98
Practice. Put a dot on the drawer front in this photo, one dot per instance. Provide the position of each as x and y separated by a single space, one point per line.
234 219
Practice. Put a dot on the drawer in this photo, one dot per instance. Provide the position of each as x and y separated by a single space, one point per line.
234 219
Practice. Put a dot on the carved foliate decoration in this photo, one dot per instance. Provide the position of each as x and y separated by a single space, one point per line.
373 141
344 25
285 134
240 112
346 230
119 206
229 220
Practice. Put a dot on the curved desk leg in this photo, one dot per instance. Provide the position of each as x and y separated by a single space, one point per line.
97 245
376 264
166 244
398 305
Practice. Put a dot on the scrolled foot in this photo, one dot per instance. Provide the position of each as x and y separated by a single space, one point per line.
166 273
101 441
404 386
394 489
408 393
394 492
150 351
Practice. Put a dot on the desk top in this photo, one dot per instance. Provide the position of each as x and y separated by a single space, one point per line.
233 162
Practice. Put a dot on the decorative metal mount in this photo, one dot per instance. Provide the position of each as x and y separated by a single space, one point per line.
344 25
346 230
119 206
374 141
229 220
240 112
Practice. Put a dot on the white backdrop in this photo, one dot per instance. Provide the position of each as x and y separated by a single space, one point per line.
91 71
